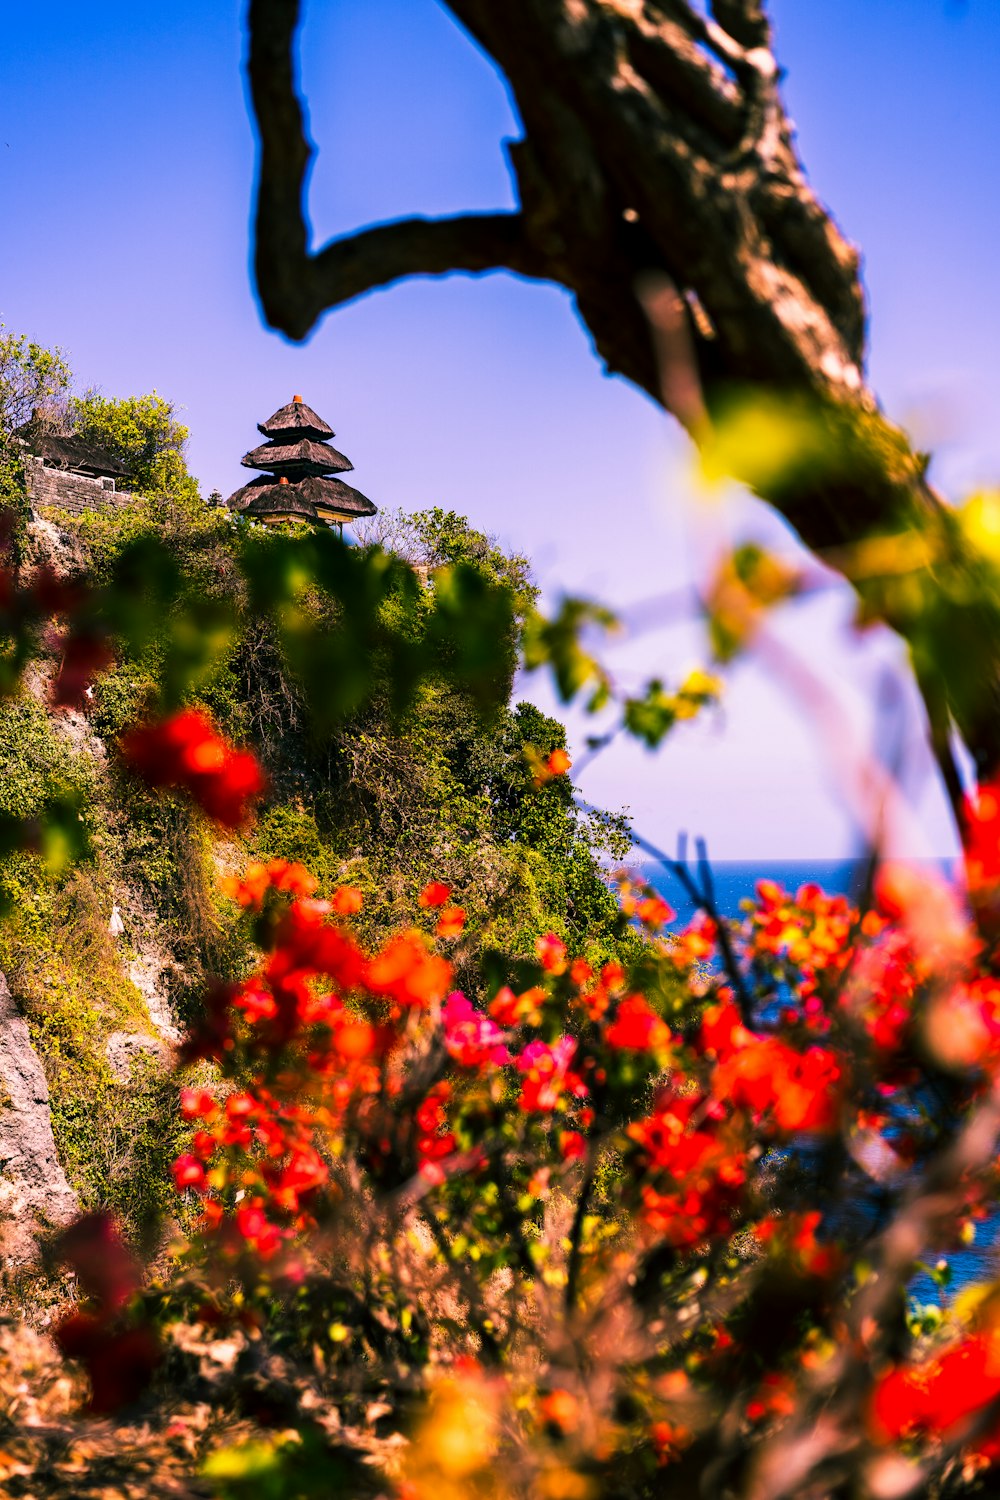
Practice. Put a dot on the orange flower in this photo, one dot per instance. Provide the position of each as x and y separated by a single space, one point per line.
654 912
450 922
669 1440
580 972
407 973
259 878
560 1409
355 1039
572 1145
558 763
551 953
509 1009
347 901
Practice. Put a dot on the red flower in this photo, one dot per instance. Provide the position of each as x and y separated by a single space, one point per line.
197 1104
185 751
801 1091
188 1172
119 1361
572 1146
260 1235
84 655
793 1240
935 1397
118 1358
436 893
435 1142
103 1264
510 1009
689 1178
982 836
637 1028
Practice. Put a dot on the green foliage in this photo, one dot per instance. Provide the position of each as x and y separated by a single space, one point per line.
557 643
438 538
289 830
36 765
44 794
143 433
292 1465
651 717
32 379
782 442
34 382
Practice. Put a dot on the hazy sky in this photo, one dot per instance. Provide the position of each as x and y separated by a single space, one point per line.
126 163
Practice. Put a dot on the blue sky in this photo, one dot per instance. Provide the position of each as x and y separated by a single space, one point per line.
126 162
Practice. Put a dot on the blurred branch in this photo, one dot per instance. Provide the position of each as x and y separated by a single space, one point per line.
296 285
701 893
824 1437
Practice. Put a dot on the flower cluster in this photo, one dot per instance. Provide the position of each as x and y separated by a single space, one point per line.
658 1124
185 751
115 1346
938 1397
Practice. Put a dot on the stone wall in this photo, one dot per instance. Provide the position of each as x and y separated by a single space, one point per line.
54 488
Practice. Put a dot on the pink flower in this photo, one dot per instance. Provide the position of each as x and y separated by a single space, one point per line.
547 1075
473 1039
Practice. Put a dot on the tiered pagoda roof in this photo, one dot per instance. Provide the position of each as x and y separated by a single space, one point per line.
299 464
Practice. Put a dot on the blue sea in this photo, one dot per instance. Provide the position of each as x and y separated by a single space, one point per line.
734 881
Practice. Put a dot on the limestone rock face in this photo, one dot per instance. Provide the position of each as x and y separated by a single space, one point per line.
123 1049
33 1185
49 546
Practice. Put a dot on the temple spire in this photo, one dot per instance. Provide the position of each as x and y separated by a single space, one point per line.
299 463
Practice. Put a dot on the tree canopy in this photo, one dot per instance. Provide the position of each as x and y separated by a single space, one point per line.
143 433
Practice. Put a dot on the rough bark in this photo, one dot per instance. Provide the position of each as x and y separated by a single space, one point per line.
655 142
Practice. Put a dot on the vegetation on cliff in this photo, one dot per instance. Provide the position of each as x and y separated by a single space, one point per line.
367 783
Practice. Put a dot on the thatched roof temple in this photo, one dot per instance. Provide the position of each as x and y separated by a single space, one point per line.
71 454
299 463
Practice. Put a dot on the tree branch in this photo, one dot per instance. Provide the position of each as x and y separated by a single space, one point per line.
656 145
296 286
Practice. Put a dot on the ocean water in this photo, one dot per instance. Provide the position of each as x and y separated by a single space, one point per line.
733 882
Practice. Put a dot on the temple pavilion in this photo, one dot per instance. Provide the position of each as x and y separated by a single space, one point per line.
299 464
